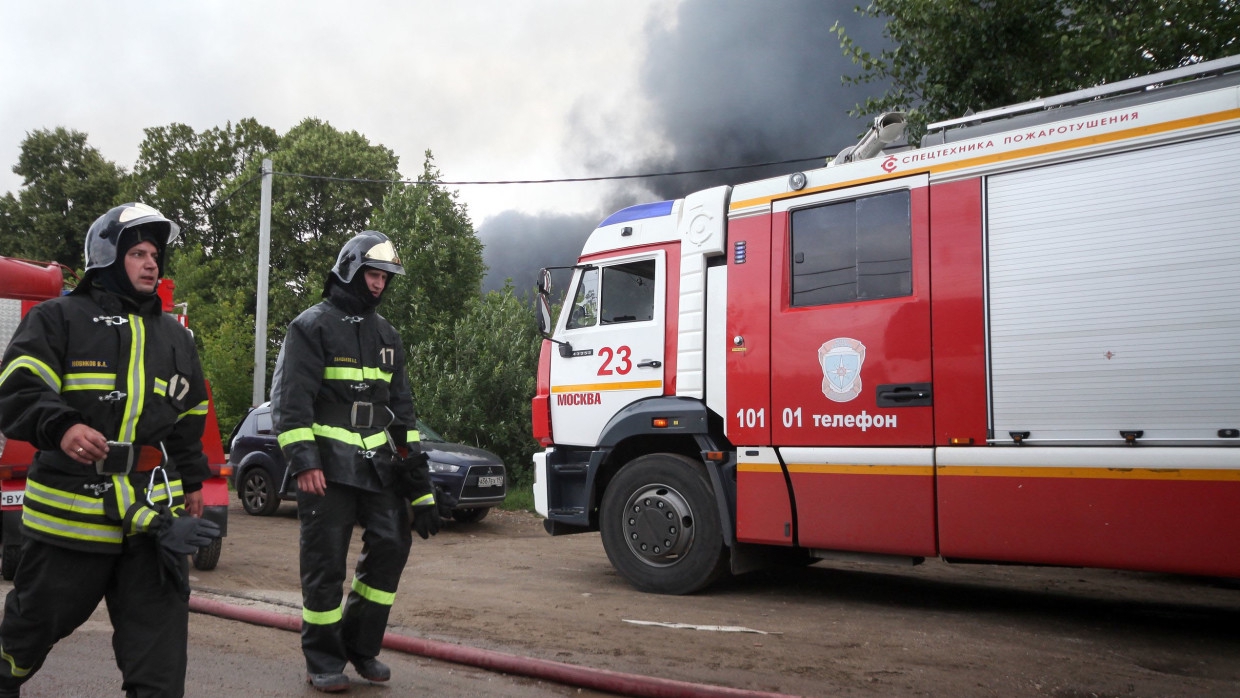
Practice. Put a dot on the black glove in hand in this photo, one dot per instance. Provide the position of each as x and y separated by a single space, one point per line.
426 520
413 482
178 536
413 476
445 501
186 534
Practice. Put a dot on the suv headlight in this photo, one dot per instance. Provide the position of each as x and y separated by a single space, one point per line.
443 467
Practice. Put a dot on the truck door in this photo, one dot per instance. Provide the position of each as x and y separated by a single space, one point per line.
615 328
850 318
850 365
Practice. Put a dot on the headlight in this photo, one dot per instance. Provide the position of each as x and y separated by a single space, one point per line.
443 467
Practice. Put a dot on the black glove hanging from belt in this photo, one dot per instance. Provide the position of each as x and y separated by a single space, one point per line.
413 482
179 536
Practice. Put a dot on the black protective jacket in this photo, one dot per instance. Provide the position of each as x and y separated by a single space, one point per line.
338 354
124 368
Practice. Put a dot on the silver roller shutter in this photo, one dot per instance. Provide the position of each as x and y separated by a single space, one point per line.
1114 295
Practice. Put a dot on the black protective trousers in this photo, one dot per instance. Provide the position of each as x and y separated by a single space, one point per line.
332 633
57 589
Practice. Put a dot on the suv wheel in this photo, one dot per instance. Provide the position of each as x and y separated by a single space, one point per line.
258 493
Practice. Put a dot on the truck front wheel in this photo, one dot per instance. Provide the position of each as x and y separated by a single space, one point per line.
207 557
660 525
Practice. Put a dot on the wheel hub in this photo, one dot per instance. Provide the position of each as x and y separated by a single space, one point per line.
255 492
658 525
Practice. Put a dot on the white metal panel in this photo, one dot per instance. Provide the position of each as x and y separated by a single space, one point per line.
691 328
701 231
912 182
10 316
717 343
1113 287
540 482
641 231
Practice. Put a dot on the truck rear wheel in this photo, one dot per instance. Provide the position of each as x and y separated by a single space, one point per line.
660 525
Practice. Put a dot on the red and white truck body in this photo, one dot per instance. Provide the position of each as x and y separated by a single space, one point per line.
1019 342
23 284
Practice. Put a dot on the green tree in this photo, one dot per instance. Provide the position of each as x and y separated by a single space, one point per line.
473 379
187 175
66 185
327 185
326 188
191 177
949 56
227 352
438 248
330 184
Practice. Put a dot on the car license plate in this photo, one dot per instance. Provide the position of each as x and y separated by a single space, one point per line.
15 498
491 481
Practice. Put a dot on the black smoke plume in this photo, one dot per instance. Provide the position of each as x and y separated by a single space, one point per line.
733 82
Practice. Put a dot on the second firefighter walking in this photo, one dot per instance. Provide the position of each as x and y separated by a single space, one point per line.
341 402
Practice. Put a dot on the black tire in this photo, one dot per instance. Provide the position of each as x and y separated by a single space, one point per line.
8 564
258 493
207 558
466 516
660 525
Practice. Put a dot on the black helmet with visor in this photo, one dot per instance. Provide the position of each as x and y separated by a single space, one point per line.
104 235
369 248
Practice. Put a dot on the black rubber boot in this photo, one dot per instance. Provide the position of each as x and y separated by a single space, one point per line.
328 683
372 669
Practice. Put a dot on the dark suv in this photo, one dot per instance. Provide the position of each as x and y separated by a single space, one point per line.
476 478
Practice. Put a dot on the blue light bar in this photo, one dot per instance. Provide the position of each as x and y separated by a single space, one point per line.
638 212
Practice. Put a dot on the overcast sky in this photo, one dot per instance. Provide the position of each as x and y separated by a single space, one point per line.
496 89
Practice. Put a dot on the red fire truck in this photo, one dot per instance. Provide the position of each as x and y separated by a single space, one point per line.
22 285
1018 342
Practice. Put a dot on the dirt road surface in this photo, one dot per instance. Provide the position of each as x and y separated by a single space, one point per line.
831 629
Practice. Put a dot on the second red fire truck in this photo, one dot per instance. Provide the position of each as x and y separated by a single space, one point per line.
1018 342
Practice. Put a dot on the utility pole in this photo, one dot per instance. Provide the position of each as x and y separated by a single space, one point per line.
260 314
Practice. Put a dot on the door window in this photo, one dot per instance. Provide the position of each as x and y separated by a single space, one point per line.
585 303
613 295
852 250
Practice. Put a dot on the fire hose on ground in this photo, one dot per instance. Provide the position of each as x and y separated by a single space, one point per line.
559 672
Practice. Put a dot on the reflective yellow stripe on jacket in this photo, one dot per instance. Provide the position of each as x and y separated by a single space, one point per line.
68 515
135 381
89 381
36 367
348 373
342 434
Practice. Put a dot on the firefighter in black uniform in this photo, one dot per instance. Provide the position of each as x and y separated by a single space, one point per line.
341 403
110 390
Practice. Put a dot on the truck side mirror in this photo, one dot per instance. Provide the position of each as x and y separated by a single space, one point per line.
544 314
